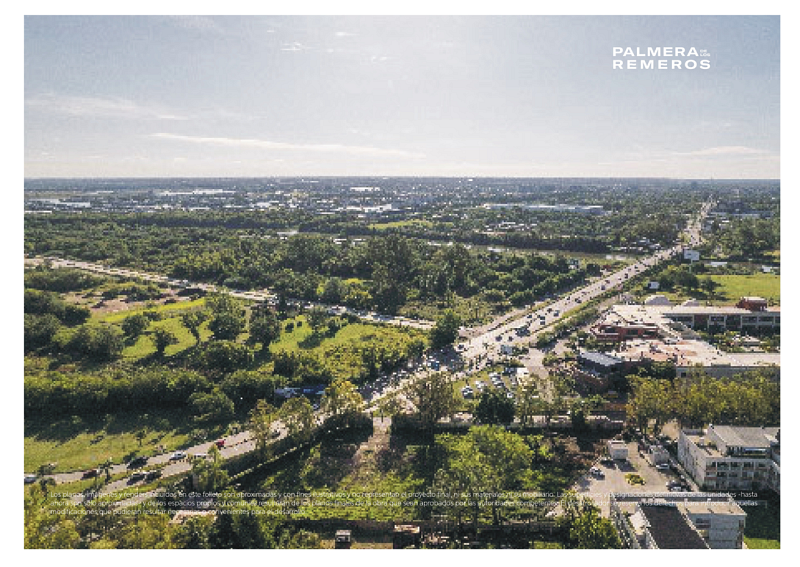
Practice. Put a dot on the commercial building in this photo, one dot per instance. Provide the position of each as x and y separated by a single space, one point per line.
678 520
600 362
661 318
661 332
690 354
725 457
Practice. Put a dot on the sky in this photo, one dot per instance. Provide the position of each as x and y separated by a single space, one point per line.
532 96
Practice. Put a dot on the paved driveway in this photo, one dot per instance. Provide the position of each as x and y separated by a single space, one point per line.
600 490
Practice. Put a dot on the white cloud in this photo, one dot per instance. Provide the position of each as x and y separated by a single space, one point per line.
294 46
344 34
199 23
272 145
723 151
114 107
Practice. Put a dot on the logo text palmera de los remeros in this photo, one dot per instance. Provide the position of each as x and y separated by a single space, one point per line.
659 58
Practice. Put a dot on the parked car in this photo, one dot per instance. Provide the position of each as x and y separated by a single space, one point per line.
663 467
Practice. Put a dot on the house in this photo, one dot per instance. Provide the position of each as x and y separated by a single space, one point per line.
732 458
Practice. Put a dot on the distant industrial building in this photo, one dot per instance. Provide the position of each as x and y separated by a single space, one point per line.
678 520
732 458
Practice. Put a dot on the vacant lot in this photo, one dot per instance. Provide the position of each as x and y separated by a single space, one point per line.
76 443
732 288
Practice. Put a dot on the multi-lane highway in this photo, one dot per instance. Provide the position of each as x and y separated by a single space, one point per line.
480 346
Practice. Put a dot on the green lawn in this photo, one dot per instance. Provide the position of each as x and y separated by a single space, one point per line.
166 308
143 346
732 288
77 444
341 353
762 529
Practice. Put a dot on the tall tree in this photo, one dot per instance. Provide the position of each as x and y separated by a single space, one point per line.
193 320
434 397
445 332
262 419
342 399
162 338
494 407
264 328
134 325
298 417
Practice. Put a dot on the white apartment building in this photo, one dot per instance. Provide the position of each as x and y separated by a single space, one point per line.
727 457
678 520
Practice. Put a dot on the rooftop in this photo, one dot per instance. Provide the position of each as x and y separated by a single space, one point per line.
670 529
756 437
689 352
601 358
688 502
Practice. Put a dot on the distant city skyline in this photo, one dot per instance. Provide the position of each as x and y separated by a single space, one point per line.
521 96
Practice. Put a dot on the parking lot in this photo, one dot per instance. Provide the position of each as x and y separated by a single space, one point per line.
613 479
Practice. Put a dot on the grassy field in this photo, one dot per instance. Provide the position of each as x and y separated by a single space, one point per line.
762 528
77 444
341 353
143 346
166 309
402 224
732 288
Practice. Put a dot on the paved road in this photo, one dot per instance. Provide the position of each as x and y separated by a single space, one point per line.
477 350
256 295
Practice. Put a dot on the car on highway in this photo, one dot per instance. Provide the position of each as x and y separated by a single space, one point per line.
30 478
90 473
177 456
220 443
137 462
152 475
136 477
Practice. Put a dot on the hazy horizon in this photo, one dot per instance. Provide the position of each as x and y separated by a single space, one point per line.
401 96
